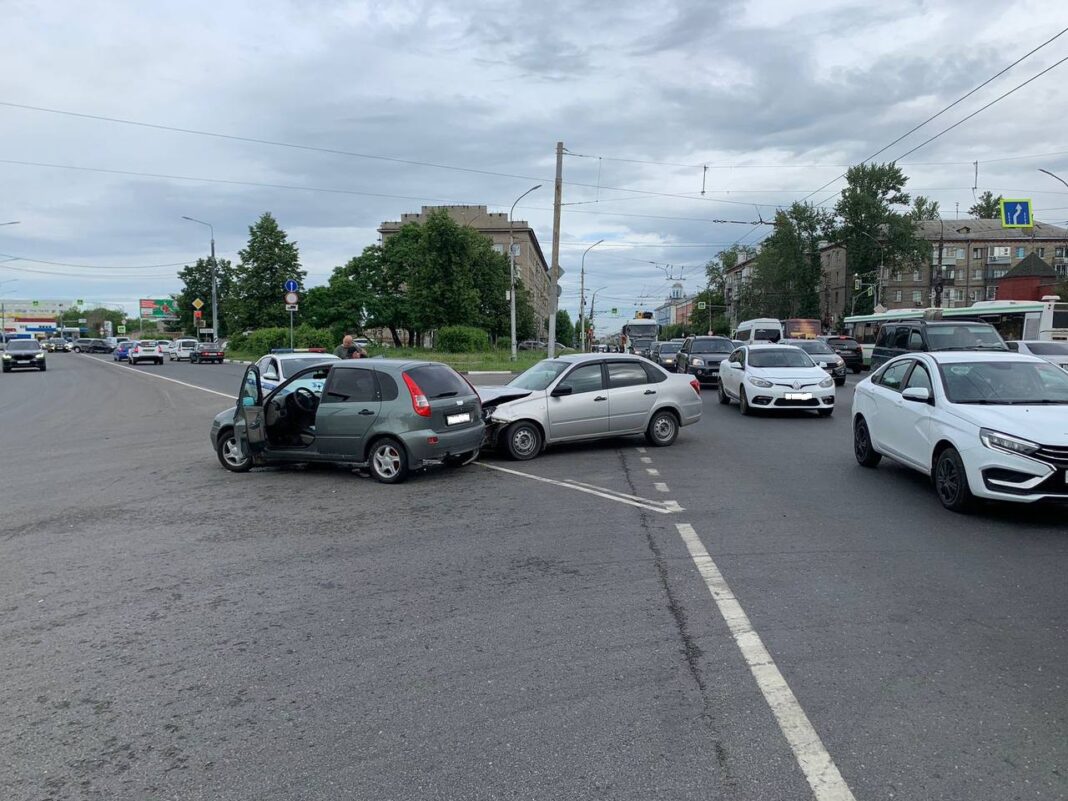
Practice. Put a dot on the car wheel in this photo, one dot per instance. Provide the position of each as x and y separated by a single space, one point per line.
743 402
387 461
159 362
461 459
825 412
523 440
865 452
856 370
951 482
231 455
839 382
663 429
77 350
724 398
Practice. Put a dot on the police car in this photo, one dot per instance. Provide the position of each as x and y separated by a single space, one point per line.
281 363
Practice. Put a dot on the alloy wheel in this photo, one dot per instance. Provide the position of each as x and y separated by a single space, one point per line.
947 481
232 452
387 460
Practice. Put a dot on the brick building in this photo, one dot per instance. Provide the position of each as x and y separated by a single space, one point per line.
1031 279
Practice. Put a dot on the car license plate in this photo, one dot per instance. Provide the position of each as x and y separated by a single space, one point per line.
453 419
799 396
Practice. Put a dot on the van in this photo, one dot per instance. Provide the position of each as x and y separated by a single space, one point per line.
933 335
762 329
182 349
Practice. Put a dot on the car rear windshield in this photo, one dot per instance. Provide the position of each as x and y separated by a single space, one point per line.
22 346
712 346
779 357
670 347
439 381
147 343
963 337
1048 348
540 375
815 348
1000 383
852 344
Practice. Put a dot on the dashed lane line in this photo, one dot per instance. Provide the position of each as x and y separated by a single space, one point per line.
660 486
822 774
661 507
129 371
646 459
652 471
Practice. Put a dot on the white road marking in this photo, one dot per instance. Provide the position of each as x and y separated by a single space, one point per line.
129 370
822 774
640 450
652 471
660 486
646 459
662 507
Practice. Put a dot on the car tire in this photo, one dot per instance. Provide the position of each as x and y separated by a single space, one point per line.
159 362
724 398
856 370
231 456
863 449
839 382
522 440
951 482
387 461
663 429
7 369
825 412
743 403
461 459
77 350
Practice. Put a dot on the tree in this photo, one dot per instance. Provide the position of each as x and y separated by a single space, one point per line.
924 208
196 284
987 207
565 331
266 263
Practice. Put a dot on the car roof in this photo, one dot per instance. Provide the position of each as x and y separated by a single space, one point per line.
578 358
958 356
770 345
327 357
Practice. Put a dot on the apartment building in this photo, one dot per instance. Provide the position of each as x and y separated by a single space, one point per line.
531 265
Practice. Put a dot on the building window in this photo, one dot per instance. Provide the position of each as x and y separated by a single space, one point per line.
991 293
977 253
836 297
977 275
498 249
1021 252
960 253
915 275
1059 252
977 294
916 296
1041 253
951 274
897 296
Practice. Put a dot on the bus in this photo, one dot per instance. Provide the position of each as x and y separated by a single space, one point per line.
801 328
1045 319
639 334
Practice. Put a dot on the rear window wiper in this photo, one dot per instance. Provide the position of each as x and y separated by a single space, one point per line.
451 394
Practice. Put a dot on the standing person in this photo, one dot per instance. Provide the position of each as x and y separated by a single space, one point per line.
346 349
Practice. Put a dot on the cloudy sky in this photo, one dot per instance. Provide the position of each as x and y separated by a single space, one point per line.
437 102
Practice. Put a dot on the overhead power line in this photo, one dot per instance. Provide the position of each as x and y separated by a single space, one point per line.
97 266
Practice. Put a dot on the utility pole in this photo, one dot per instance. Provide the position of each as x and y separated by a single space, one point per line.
214 281
582 294
555 269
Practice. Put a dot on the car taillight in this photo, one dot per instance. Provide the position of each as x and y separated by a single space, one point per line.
859 349
420 405
696 386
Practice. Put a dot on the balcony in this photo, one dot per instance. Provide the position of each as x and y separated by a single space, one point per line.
999 259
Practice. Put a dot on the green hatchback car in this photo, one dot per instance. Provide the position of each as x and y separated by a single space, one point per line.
390 416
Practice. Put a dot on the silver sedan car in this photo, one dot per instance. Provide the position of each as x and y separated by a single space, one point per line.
588 396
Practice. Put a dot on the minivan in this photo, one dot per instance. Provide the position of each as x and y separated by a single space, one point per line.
933 335
762 329
182 349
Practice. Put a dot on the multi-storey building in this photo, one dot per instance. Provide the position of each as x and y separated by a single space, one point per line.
531 266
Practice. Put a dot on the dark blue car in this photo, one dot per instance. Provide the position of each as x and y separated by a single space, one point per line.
122 351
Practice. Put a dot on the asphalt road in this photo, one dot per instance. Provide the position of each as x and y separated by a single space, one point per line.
170 630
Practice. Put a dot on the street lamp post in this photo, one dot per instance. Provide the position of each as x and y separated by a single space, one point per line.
593 305
582 296
511 266
878 272
3 310
214 282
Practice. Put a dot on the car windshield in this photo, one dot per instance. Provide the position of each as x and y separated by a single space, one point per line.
712 346
779 357
23 346
964 337
290 366
439 381
313 380
1001 383
540 375
670 347
850 344
1048 348
815 348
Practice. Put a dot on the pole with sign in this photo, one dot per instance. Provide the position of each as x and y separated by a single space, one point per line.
291 299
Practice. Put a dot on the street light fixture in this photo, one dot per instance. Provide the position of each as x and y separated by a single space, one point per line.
13 222
511 264
214 282
582 296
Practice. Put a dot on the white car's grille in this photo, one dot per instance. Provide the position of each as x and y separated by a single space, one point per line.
1054 454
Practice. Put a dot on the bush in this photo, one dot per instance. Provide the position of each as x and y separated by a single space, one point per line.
263 340
462 339
304 336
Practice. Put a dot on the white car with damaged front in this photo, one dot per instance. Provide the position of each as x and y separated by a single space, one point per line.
775 377
982 425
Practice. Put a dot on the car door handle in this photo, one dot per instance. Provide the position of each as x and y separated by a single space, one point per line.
366 411
650 392
600 398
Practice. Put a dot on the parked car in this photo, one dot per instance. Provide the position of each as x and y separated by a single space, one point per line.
588 396
765 376
87 345
700 357
1053 352
824 356
391 416
982 425
145 350
183 349
20 353
849 349
663 353
122 352
532 344
207 352
921 336
280 365
166 346
58 345
362 342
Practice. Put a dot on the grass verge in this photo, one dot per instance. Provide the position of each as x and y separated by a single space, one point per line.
497 360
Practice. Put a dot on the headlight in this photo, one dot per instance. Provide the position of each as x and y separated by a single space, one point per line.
38 356
759 382
7 355
840 361
697 362
827 383
1004 442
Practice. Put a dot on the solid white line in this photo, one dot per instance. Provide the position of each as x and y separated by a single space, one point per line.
129 370
646 459
660 486
654 506
652 471
823 777
622 494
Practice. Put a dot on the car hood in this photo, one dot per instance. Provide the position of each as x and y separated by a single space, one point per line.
1047 425
786 374
494 396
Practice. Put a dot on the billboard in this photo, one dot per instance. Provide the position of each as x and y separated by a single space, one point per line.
159 309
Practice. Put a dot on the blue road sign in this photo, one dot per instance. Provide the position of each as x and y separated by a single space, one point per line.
1016 213
290 285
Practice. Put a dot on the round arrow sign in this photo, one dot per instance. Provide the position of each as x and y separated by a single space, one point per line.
290 285
291 298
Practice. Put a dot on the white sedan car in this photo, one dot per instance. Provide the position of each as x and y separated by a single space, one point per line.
775 377
982 425
1053 352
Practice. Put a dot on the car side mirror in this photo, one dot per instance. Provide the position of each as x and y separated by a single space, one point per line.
247 401
917 394
562 389
823 365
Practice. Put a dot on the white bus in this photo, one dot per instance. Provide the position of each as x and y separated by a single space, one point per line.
1045 319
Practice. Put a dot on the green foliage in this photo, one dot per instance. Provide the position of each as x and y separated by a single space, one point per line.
196 283
263 340
673 331
565 330
462 339
924 208
526 326
267 261
987 207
